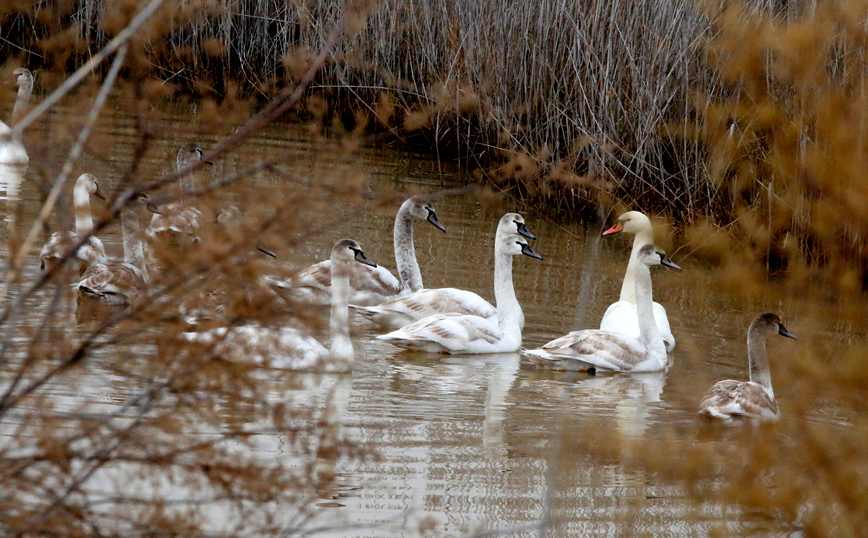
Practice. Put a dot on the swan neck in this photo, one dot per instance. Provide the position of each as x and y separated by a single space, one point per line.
405 251
339 321
21 102
649 334
81 202
134 250
628 288
509 314
758 359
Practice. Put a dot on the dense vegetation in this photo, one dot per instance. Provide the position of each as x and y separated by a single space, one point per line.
745 126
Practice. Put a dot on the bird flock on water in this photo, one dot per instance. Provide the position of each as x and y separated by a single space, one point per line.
634 334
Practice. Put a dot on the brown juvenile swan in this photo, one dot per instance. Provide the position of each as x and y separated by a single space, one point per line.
730 399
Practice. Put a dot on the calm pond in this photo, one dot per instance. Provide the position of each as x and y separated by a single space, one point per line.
467 444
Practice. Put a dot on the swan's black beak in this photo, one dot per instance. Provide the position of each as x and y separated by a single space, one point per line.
784 332
432 218
614 229
668 263
527 251
153 209
98 194
522 230
266 251
360 257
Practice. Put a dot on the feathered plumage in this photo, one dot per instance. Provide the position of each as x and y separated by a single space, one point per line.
622 316
370 286
597 349
464 333
12 150
731 399
289 348
59 244
398 312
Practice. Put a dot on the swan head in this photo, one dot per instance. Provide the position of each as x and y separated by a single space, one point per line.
423 209
347 250
514 244
90 185
187 154
768 324
631 222
142 199
513 223
654 255
25 77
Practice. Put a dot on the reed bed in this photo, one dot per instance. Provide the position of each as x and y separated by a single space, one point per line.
746 126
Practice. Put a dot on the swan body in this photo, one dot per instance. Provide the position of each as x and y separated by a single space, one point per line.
289 348
91 251
467 333
622 316
729 399
370 285
115 282
178 223
400 311
12 151
606 350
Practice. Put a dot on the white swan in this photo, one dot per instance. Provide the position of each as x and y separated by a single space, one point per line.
12 151
178 223
733 399
288 348
370 285
91 251
465 333
593 348
398 312
115 282
622 317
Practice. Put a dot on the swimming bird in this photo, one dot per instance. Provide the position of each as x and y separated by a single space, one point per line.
621 316
370 285
730 399
115 282
91 251
466 333
287 347
403 310
178 223
602 350
12 150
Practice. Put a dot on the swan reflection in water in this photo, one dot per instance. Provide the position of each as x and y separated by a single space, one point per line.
454 383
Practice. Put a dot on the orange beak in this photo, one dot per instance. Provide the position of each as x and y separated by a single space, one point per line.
614 229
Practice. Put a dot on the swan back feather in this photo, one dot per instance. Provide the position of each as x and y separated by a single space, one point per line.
594 348
731 399
465 333
401 311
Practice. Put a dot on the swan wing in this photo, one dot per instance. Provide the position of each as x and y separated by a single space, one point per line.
404 310
370 285
56 248
450 333
177 219
729 399
90 252
597 349
284 348
113 283
12 151
622 317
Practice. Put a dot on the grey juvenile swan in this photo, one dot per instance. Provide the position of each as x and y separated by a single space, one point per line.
731 399
369 285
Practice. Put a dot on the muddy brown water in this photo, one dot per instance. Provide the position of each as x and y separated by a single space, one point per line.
479 443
